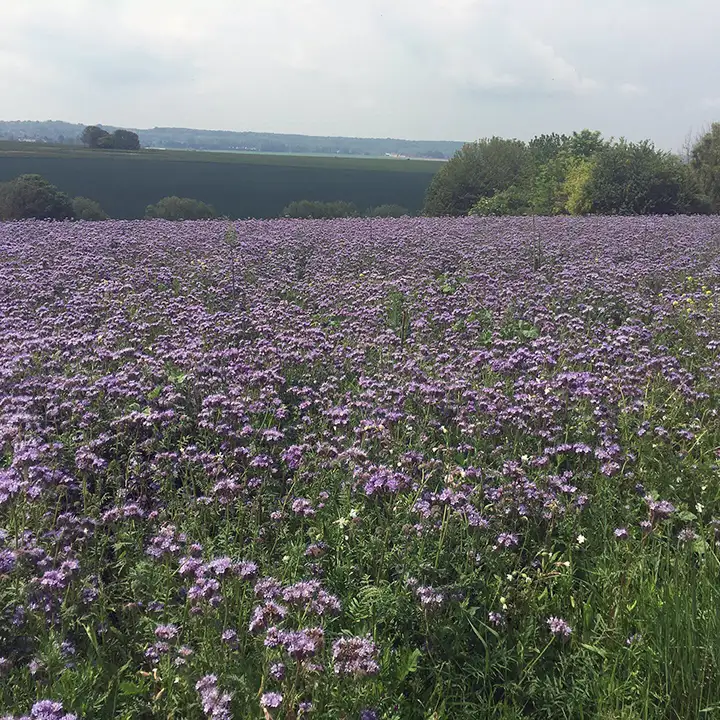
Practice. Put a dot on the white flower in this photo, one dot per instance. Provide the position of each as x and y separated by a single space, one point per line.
580 539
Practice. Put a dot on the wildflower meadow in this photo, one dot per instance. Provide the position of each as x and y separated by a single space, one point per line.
360 469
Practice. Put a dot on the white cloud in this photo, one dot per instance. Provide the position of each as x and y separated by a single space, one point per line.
632 89
455 69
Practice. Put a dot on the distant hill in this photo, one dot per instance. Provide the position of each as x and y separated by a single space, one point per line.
55 131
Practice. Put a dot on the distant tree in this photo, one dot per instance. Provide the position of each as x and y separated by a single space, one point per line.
92 135
177 208
387 211
87 209
432 154
317 210
125 140
705 164
479 169
31 196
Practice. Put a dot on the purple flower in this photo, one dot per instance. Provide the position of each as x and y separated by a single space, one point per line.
215 704
230 637
559 628
303 507
166 632
8 560
621 533
496 618
277 671
507 540
430 598
167 542
659 509
271 700
356 656
49 710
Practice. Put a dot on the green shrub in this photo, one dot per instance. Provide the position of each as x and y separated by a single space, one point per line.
387 211
317 210
33 197
87 209
177 208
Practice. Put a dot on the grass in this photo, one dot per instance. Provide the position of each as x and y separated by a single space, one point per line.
22 149
236 184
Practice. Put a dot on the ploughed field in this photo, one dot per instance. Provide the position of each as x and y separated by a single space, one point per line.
395 469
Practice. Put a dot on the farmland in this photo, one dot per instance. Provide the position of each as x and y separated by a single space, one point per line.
236 184
417 468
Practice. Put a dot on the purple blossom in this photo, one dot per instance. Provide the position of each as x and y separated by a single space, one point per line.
271 700
355 656
215 704
167 632
559 628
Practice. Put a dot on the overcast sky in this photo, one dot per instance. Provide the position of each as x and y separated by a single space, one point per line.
419 69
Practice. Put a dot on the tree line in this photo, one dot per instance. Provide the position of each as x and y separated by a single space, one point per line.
33 197
577 174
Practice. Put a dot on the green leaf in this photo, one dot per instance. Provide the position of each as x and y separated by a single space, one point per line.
130 688
593 648
408 664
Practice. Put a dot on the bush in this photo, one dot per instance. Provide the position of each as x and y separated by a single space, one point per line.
33 197
388 211
87 209
177 208
317 210
512 201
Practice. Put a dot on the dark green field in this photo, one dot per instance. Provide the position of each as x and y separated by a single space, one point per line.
237 185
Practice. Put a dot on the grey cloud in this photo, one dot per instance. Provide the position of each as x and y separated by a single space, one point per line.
456 69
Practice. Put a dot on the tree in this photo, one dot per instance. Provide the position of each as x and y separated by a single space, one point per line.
31 196
125 140
576 188
387 211
586 143
87 209
317 210
705 164
637 179
177 208
92 135
479 169
544 148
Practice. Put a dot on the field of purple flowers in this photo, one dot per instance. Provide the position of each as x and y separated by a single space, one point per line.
416 468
